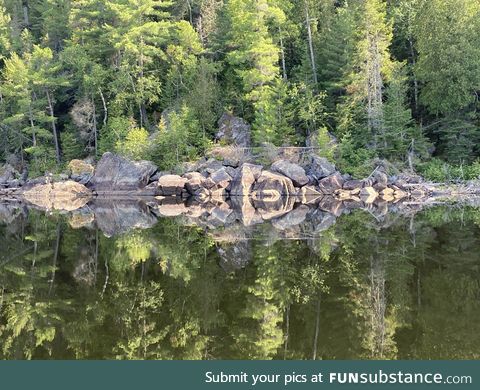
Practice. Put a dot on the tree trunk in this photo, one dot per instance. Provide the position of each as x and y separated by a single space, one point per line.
310 45
282 53
54 127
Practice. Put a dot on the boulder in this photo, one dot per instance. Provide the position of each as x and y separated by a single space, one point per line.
68 195
77 167
245 177
7 174
293 171
80 171
353 184
319 167
271 184
194 181
331 183
170 185
381 178
221 178
233 130
114 173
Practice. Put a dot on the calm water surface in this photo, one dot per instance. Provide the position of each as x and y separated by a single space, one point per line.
313 287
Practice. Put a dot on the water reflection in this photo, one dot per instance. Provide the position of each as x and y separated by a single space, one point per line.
121 280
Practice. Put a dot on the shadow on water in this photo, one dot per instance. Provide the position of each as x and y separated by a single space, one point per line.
157 279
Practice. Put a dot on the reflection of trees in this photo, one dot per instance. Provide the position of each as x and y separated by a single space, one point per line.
406 290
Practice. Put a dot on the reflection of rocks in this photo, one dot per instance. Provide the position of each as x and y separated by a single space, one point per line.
83 218
293 218
84 268
114 218
9 212
234 256
68 195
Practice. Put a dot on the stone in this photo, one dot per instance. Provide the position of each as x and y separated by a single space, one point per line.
169 185
68 195
221 214
293 171
319 167
7 173
194 181
233 130
80 167
309 194
271 184
368 195
380 178
353 184
244 179
331 183
221 178
114 173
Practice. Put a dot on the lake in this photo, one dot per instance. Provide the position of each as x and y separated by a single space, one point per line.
120 280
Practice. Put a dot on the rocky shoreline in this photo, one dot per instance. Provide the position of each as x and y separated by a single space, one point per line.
118 195
224 184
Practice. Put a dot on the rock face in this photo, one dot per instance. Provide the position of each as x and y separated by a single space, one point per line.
293 171
234 130
115 173
245 177
169 185
272 185
68 195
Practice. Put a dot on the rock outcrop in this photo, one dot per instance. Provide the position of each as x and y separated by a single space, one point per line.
115 173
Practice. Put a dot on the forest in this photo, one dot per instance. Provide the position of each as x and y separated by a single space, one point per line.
396 80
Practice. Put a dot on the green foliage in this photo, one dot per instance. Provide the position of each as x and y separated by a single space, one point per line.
136 144
440 171
179 138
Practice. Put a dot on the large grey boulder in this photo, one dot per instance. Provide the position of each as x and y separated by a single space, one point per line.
233 130
273 185
115 173
319 167
293 171
245 177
